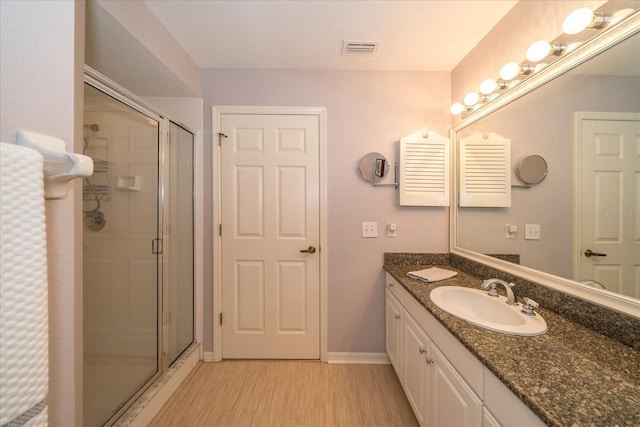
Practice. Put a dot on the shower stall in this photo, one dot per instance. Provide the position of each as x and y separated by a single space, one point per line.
138 249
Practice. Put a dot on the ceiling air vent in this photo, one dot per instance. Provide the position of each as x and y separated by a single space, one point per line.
350 47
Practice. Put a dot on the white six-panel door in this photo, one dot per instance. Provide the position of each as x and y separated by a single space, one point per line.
609 210
269 214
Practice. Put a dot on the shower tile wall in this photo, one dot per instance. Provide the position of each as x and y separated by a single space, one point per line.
120 270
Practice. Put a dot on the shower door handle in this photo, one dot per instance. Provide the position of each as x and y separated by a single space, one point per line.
156 246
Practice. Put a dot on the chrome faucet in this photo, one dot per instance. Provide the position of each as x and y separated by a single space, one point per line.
490 284
594 283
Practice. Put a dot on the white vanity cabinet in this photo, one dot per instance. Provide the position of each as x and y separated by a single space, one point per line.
453 403
393 314
444 382
416 369
438 395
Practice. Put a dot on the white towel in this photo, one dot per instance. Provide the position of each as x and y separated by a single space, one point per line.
24 335
432 274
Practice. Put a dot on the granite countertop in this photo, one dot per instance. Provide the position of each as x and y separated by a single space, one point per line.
569 376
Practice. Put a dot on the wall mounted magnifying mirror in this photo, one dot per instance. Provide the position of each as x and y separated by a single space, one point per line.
532 170
373 167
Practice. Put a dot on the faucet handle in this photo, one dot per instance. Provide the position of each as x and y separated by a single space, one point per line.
490 287
528 306
492 291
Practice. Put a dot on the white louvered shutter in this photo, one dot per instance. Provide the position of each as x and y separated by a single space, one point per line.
424 170
485 171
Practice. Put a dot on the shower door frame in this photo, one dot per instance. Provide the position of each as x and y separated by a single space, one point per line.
119 93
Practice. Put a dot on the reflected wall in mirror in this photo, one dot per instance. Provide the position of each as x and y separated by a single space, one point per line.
545 122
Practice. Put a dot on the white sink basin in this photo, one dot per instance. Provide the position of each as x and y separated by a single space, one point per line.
475 306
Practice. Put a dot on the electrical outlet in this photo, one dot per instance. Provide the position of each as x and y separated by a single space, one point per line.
392 230
532 231
369 229
510 231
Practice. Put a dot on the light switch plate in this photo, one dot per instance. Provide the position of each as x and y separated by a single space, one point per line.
369 229
532 231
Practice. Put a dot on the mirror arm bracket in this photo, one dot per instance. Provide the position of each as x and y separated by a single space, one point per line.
395 183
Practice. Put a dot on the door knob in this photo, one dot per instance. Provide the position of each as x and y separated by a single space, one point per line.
589 253
309 250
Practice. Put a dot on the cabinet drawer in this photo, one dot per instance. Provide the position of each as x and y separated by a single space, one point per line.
395 287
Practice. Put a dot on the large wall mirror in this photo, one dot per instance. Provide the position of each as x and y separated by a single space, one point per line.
582 115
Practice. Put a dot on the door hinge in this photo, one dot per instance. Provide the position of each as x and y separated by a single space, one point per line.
220 230
156 246
220 136
221 318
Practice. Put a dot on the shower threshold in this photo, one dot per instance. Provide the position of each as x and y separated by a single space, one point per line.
149 404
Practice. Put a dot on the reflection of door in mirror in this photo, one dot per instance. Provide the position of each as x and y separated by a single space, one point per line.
608 215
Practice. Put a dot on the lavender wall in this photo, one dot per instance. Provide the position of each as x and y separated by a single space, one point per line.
366 111
42 92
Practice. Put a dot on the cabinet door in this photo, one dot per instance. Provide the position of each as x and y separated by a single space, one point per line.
489 420
453 403
416 368
393 313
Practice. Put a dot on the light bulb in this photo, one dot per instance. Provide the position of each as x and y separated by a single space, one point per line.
578 20
538 50
620 15
457 108
471 99
488 86
509 71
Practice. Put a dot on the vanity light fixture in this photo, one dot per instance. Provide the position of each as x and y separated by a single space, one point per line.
577 21
457 108
471 99
513 69
542 48
490 85
583 18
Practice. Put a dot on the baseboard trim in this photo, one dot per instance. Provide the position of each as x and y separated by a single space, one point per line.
335 358
358 358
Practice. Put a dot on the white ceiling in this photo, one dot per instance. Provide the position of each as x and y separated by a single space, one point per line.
418 35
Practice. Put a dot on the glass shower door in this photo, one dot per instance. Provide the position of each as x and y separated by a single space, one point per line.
121 271
179 242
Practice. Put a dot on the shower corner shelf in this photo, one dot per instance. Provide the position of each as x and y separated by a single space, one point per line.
129 183
101 188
